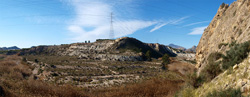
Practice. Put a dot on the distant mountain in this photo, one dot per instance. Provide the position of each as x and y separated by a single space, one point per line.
191 50
177 47
9 48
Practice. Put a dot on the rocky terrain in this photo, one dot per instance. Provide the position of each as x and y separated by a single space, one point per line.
104 63
230 24
237 78
223 52
122 49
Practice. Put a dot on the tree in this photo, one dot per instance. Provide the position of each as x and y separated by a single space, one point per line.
165 61
148 55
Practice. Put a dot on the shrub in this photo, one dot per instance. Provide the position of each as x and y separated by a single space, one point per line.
227 93
148 55
212 69
165 61
214 56
232 44
236 54
197 81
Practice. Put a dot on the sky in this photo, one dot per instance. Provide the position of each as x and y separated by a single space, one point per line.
27 23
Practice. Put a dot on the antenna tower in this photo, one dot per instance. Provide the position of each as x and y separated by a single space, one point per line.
111 33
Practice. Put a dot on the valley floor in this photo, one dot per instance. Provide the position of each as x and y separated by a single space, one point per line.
89 78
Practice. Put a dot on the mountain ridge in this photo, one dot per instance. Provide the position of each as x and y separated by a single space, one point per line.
9 48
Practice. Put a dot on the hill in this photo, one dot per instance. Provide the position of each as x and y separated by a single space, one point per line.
122 49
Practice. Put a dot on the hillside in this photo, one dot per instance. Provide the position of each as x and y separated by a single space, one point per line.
231 24
223 53
122 49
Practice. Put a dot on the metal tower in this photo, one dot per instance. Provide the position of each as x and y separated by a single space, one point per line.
111 33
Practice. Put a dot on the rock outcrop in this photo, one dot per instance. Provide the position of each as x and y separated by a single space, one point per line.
237 78
230 24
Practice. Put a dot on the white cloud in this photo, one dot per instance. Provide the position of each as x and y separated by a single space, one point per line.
92 20
158 26
179 20
195 23
198 30
173 21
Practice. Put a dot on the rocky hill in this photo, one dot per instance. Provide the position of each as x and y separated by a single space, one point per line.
230 25
122 49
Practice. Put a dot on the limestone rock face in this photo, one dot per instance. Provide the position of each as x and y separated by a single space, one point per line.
231 23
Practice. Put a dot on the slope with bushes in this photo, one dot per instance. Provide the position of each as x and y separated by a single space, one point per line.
230 24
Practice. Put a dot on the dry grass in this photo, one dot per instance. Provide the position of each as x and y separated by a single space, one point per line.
182 67
17 81
150 88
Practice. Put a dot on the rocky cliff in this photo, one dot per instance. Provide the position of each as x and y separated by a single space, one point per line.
230 24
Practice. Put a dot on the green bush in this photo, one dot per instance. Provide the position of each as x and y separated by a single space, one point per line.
165 61
148 55
212 69
236 54
198 81
227 93
214 56
232 44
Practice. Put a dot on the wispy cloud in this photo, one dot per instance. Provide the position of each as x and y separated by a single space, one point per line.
195 23
198 30
172 21
158 26
92 20
178 21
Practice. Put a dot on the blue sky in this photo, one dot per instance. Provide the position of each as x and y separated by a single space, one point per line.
26 23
